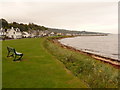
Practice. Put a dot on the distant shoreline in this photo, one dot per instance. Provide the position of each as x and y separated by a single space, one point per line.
111 61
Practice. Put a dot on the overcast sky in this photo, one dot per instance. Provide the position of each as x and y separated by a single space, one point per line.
88 16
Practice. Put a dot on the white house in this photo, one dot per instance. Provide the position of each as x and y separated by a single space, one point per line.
59 34
25 34
33 33
2 32
68 34
18 33
14 33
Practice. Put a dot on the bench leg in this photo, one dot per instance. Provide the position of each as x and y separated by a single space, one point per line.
20 57
14 58
8 54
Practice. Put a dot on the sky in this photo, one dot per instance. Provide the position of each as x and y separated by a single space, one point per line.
101 16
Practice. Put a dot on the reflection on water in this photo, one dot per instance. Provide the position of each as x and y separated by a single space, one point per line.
101 45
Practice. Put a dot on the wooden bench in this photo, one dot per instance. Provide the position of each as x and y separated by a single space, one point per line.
12 52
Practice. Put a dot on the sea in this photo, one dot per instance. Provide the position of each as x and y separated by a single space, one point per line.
106 46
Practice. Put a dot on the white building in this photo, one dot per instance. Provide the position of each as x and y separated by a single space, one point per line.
59 33
25 34
2 32
68 34
14 33
52 33
33 33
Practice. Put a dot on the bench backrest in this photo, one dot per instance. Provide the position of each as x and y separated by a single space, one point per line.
11 49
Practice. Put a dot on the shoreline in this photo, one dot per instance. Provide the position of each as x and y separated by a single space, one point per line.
104 59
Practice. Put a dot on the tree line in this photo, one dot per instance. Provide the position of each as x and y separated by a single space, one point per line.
23 27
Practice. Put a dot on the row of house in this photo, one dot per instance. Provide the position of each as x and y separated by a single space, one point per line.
11 33
15 33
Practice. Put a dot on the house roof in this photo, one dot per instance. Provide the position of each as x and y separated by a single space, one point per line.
15 29
25 33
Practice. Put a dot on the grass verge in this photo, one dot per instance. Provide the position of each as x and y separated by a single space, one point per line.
93 72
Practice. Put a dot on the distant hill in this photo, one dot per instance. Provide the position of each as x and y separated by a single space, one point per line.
72 32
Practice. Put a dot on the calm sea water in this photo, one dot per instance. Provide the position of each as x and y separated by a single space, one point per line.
102 45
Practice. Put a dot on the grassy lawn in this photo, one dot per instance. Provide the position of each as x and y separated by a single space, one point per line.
38 68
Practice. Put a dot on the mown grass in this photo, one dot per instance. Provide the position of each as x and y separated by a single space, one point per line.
38 68
95 73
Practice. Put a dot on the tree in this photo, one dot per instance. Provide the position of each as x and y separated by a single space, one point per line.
3 23
21 26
